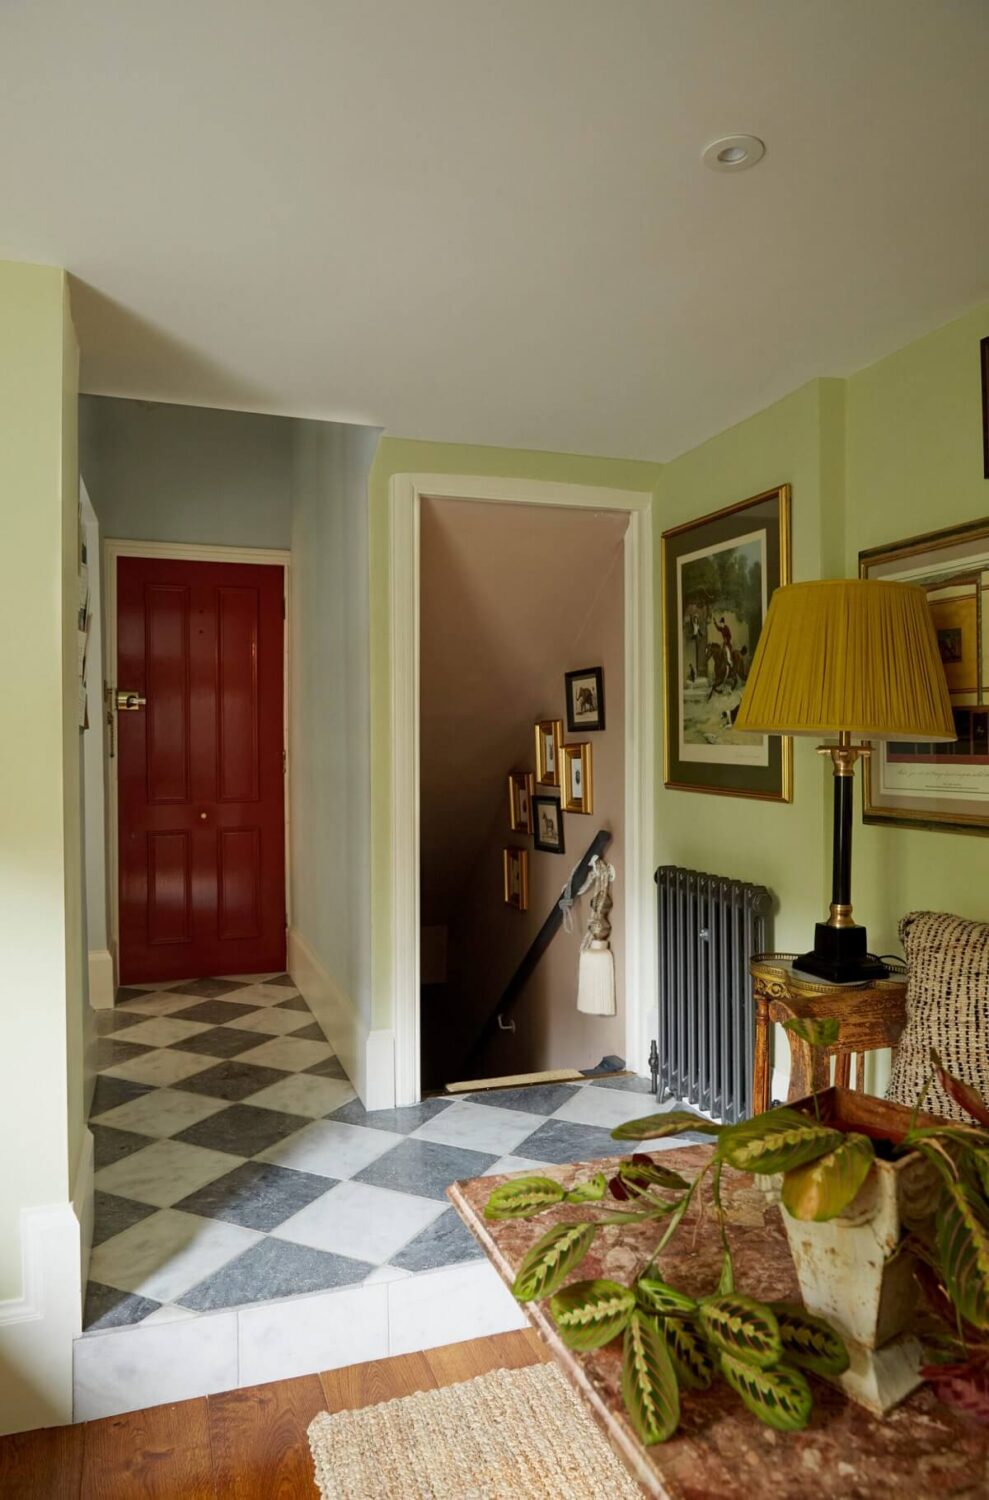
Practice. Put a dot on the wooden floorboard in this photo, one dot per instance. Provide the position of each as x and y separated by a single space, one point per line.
249 1444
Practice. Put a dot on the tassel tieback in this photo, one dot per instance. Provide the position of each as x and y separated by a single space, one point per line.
596 965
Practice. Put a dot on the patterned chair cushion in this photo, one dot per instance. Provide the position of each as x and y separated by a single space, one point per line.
947 1008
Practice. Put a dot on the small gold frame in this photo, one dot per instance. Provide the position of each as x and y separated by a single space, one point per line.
520 791
549 748
577 788
516 873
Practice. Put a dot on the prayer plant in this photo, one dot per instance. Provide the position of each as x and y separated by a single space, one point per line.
673 1342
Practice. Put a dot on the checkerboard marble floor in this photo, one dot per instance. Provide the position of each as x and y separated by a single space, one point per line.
235 1164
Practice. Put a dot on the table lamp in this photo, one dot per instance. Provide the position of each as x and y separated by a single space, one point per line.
850 656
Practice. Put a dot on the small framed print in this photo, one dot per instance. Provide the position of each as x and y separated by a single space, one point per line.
520 801
547 816
549 743
585 699
516 864
577 789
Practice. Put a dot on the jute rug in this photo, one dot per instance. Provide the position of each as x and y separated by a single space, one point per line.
510 1435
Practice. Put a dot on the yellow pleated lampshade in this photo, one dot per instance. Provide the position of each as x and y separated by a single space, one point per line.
855 654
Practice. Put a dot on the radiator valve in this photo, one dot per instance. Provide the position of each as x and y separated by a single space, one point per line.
654 1065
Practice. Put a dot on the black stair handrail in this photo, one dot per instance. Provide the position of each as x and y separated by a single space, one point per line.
536 949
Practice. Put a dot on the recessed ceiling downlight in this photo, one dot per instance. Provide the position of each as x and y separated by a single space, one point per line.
733 153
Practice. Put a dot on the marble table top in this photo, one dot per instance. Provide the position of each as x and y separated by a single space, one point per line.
920 1451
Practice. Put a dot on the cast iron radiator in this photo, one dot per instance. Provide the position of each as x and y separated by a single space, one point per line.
709 928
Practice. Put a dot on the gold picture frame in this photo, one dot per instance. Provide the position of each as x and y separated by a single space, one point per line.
709 639
515 863
520 790
549 745
940 786
577 783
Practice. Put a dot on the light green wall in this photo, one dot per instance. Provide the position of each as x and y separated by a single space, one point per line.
402 456
41 1115
915 465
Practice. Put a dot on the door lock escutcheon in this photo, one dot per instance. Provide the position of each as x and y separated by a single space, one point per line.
128 702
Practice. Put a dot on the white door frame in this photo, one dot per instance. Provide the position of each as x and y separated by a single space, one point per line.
407 491
113 548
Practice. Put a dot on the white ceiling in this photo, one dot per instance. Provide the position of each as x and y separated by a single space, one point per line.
487 221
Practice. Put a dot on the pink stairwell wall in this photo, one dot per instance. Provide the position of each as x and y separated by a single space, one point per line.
512 598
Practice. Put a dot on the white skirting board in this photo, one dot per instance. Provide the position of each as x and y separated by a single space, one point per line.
367 1055
102 985
38 1329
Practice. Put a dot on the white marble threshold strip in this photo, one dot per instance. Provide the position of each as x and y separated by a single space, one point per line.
178 1358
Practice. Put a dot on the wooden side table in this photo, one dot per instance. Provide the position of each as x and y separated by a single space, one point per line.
870 1016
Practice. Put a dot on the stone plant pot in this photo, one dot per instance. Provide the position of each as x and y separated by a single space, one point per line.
854 1270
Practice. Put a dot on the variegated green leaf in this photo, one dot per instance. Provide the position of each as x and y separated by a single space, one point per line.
809 1341
671 1122
963 1245
522 1197
970 1100
691 1356
551 1259
662 1300
822 1032
776 1142
589 1314
980 1160
657 1209
781 1398
742 1327
642 1176
824 1188
649 1382
591 1191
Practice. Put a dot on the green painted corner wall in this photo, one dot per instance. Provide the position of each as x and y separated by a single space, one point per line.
407 456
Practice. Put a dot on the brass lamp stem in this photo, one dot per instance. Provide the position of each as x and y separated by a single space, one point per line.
843 758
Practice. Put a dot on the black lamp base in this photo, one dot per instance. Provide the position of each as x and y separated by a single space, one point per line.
840 955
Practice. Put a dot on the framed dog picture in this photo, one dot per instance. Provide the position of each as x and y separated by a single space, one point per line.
516 867
549 742
585 700
577 787
547 816
520 801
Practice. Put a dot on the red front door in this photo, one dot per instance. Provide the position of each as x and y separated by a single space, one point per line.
200 769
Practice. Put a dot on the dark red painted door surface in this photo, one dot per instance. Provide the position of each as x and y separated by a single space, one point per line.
200 769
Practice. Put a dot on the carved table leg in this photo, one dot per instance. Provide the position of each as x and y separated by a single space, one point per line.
760 1069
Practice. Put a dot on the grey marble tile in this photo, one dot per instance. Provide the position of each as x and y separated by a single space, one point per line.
110 1092
208 989
219 1041
628 1083
110 1050
330 1067
274 1268
424 1168
230 1080
106 1307
113 1145
282 979
539 1099
242 1129
313 1033
443 1243
125 993
401 1121
257 1195
295 1003
214 1012
561 1141
111 1022
112 1215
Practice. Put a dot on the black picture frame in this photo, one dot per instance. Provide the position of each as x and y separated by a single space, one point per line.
985 405
578 721
547 847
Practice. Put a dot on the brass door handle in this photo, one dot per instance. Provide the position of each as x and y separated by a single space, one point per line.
128 702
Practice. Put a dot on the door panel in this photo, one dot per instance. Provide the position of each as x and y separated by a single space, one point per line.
200 769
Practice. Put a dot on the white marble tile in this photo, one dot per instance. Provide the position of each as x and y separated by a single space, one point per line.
604 1107
166 1254
381 1275
163 1031
169 1312
264 994
162 1113
331 1148
324 1331
479 1127
365 1222
164 1172
125 1369
158 1004
508 1164
448 1306
271 1020
162 1067
287 1052
251 979
305 1094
